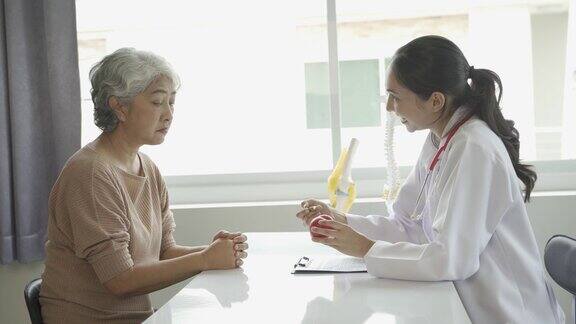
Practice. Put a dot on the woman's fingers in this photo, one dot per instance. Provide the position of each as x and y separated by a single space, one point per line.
239 238
220 234
239 262
240 254
241 246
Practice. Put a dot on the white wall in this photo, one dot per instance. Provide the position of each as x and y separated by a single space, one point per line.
550 214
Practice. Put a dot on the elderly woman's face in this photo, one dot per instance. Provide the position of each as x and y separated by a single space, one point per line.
150 114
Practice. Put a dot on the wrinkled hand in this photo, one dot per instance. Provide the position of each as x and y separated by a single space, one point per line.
224 246
225 235
240 247
220 255
314 207
342 238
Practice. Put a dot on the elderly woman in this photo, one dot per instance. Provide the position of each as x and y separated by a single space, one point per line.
110 228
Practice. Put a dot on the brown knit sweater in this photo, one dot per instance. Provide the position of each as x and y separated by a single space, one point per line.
102 221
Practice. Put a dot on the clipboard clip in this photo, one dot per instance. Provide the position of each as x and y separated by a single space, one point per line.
302 262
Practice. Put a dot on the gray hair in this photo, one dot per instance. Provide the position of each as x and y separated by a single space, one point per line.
124 74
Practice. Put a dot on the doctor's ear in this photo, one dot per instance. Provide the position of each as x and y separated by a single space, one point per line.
437 101
119 109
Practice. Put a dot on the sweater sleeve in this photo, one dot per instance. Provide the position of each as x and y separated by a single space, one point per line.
168 224
99 223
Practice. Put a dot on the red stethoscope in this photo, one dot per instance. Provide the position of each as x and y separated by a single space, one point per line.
433 163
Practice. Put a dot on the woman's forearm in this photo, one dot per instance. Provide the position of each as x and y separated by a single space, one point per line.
146 278
179 250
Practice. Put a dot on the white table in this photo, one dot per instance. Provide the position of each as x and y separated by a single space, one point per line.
265 291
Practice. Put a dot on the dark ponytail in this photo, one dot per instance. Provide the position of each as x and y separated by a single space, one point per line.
435 64
482 99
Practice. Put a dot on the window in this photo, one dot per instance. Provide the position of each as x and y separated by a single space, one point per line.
360 97
529 54
254 110
241 107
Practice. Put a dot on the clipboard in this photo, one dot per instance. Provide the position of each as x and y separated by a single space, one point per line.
329 264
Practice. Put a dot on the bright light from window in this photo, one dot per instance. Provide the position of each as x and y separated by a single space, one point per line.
243 106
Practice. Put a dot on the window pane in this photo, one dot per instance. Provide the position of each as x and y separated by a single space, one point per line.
531 68
569 113
360 96
242 104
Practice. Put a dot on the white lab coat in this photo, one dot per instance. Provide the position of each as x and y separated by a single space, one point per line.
475 231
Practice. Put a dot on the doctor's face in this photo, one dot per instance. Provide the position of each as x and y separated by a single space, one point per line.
414 113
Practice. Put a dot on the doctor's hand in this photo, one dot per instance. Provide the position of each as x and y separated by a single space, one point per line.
342 238
313 207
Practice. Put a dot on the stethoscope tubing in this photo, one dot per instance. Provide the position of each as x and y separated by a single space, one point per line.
414 216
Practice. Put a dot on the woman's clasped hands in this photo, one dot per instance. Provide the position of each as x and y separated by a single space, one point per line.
226 251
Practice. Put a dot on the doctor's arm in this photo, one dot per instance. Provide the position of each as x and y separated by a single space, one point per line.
397 226
476 191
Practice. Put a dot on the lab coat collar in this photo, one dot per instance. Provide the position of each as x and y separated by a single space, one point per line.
460 113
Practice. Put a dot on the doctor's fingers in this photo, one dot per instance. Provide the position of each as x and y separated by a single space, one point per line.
334 224
310 209
308 203
325 231
330 241
307 216
301 214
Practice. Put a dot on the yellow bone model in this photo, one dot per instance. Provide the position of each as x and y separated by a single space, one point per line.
341 187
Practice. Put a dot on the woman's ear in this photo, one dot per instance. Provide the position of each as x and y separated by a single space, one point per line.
119 109
437 100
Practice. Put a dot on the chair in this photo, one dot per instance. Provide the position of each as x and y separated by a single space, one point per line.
31 295
560 261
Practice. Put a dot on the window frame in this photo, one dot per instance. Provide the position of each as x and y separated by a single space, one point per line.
553 175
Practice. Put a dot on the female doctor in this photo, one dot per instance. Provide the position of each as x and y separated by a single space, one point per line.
460 215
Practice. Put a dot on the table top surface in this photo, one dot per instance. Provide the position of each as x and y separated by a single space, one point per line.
264 290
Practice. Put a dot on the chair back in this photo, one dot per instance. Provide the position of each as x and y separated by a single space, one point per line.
32 297
560 262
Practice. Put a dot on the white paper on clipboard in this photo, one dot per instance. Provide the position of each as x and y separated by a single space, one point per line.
329 264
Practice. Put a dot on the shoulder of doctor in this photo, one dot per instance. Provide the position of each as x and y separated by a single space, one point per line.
477 134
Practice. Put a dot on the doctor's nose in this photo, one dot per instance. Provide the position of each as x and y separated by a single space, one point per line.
385 99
